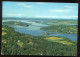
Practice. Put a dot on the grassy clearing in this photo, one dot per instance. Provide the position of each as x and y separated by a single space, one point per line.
59 40
4 41
4 29
20 44
15 23
3 33
65 42
53 38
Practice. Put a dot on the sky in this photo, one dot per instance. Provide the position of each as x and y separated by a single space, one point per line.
40 10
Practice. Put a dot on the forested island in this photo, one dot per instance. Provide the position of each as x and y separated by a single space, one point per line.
16 23
71 29
62 26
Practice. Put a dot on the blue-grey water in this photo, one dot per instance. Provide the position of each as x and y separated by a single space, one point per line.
34 29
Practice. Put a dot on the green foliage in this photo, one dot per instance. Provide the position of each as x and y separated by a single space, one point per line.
16 23
71 29
33 45
20 44
64 21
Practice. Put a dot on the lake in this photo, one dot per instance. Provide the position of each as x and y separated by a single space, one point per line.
34 29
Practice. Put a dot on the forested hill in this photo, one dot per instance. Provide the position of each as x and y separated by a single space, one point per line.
14 43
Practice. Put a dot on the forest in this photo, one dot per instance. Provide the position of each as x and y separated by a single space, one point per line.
62 26
16 23
15 43
64 21
71 29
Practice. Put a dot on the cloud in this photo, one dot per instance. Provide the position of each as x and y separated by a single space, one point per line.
14 15
40 3
24 5
74 16
69 16
47 16
21 4
69 6
28 6
57 16
60 10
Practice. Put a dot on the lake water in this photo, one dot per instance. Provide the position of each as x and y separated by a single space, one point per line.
34 29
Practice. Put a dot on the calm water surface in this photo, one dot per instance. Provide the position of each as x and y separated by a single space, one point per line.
34 29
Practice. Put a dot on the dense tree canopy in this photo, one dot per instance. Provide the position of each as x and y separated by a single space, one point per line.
15 43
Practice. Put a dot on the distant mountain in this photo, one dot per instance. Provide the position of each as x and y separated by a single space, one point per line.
7 18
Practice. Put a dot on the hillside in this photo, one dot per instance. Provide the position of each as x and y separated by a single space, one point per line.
14 43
